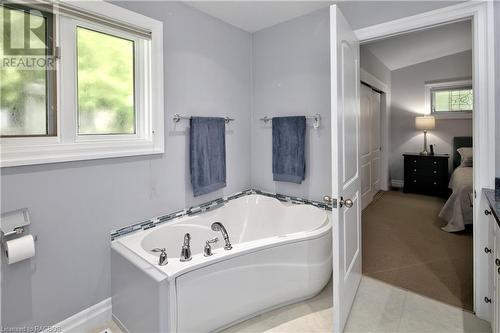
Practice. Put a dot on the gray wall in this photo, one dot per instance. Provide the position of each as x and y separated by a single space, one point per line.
408 101
75 205
370 63
291 76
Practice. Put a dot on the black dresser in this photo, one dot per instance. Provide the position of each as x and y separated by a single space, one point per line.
426 174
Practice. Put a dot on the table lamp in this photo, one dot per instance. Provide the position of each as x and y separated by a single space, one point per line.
425 123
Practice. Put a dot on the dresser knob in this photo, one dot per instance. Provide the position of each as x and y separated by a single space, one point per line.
435 162
414 161
435 183
414 170
435 171
414 180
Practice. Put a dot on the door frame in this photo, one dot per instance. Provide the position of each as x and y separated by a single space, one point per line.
482 17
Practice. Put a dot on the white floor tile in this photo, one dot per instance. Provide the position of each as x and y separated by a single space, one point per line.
377 308
422 314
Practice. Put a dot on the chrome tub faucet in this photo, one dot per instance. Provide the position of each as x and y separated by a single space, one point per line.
217 226
186 248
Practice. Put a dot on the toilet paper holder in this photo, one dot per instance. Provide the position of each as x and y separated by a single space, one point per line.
14 222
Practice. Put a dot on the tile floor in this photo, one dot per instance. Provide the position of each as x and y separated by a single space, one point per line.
378 307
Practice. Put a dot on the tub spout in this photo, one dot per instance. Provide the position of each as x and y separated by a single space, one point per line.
186 248
217 226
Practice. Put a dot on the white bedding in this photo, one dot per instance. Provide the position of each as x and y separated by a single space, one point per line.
457 210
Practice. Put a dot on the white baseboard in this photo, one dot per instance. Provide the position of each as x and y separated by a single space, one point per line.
86 320
397 183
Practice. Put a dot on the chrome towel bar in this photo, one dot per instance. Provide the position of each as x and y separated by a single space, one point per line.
316 117
177 117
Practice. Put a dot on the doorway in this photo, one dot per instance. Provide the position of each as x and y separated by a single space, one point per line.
345 241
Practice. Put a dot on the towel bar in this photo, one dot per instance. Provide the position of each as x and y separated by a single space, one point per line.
177 117
316 117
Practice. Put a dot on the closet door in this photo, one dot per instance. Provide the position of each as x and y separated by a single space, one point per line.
365 145
375 142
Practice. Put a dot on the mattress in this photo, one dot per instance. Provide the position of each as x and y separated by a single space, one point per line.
457 210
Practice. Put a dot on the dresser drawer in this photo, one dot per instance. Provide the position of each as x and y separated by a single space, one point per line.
432 182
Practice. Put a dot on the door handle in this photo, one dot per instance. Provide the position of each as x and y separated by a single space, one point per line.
345 202
327 199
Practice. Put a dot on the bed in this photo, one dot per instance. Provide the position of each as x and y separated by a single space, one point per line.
457 211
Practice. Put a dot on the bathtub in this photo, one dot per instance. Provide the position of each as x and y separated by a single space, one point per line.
281 254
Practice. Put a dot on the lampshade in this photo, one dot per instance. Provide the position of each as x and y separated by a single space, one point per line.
425 123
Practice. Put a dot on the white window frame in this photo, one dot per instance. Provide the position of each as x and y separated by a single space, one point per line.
443 86
68 145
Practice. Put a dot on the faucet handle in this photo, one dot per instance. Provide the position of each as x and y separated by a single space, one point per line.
213 240
157 249
208 249
163 260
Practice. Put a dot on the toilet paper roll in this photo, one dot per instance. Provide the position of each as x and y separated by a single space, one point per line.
19 249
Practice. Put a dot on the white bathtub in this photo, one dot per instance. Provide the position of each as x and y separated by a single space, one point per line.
281 254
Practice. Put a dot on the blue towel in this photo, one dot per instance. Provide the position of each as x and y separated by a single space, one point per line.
289 134
207 138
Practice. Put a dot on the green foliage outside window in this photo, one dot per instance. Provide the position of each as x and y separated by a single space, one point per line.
23 90
105 83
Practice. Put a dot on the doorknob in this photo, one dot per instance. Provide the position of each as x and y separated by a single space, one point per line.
345 202
327 199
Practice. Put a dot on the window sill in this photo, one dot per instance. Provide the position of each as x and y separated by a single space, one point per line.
453 115
55 153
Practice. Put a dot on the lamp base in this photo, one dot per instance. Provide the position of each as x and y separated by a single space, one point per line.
425 152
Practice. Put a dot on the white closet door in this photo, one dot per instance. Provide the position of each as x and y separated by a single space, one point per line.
366 145
375 142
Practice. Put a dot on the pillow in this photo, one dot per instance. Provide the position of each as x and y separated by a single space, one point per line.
466 154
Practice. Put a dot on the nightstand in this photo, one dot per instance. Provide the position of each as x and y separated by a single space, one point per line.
426 174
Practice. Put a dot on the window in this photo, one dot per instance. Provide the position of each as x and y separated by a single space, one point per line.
94 62
27 95
451 99
105 83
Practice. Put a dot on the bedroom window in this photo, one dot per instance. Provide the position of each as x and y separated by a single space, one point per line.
99 73
450 99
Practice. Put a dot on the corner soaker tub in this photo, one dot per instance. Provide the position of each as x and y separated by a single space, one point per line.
282 253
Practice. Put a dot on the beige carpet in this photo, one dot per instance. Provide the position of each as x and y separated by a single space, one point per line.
403 245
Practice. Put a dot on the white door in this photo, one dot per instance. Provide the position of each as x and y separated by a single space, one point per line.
365 146
346 184
375 142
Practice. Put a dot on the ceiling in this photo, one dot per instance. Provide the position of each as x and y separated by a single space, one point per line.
252 16
256 15
416 47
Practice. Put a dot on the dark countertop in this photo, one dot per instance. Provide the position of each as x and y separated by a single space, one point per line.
494 205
